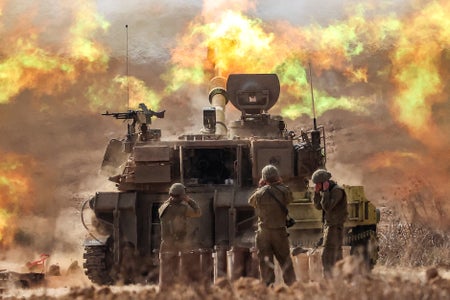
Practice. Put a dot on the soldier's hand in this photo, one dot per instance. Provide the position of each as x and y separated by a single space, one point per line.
261 183
326 185
318 187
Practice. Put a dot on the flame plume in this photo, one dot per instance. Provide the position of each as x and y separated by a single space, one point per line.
16 193
244 44
417 61
27 63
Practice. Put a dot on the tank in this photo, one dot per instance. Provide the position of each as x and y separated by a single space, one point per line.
220 167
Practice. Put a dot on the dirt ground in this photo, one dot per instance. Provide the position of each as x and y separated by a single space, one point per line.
350 282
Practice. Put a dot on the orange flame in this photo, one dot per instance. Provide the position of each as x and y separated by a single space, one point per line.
416 71
391 159
16 195
237 43
26 63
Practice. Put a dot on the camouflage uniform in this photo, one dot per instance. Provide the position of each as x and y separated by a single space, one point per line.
173 214
272 237
333 202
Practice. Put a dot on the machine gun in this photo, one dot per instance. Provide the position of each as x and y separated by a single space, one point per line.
143 117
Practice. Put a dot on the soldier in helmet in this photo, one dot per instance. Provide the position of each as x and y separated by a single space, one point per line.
270 201
174 213
331 198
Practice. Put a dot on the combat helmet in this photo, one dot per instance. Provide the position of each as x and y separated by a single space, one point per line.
177 189
320 175
270 173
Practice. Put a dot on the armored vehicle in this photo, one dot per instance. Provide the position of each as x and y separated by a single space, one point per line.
220 167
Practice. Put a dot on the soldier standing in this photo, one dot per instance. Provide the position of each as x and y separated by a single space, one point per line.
270 201
331 198
173 214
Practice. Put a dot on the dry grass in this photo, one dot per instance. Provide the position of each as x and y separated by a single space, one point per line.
412 245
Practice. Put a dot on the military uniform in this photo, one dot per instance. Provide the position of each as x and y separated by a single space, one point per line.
174 214
333 202
272 237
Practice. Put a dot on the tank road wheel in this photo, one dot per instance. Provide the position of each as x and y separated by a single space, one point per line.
98 264
364 243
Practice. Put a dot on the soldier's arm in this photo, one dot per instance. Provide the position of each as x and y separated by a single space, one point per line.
331 198
317 199
162 208
193 210
252 200
288 197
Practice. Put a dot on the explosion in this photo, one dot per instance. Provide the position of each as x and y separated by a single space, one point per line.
28 64
16 193
418 67
378 60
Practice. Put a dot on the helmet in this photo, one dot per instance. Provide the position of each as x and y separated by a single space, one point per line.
177 189
320 175
270 173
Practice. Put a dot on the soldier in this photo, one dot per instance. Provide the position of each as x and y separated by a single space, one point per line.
331 198
173 214
270 201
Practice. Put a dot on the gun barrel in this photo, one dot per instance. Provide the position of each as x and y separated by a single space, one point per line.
132 114
120 115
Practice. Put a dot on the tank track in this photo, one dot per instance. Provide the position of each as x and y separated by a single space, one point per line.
369 240
95 264
361 236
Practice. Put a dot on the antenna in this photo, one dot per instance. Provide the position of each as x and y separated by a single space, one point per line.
312 97
127 73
